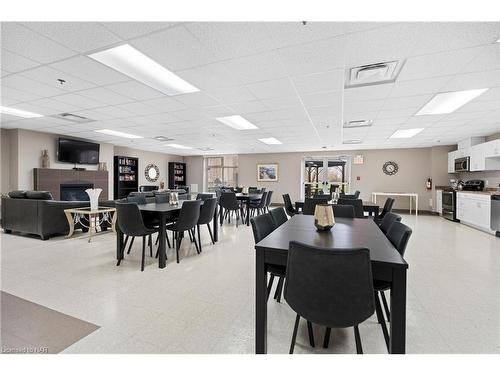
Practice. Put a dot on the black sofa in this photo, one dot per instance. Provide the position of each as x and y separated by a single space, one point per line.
35 212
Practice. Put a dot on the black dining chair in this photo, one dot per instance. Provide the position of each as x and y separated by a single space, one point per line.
323 196
399 235
279 216
229 204
290 210
343 210
310 205
259 205
150 218
329 287
131 223
206 216
161 198
204 196
268 200
187 220
356 203
356 194
387 221
389 202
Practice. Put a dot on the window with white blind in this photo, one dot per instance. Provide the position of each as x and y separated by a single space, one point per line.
221 171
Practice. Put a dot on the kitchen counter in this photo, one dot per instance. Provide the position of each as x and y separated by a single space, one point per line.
487 191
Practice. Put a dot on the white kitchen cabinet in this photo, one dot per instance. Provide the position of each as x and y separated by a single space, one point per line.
492 148
474 209
451 161
477 158
439 201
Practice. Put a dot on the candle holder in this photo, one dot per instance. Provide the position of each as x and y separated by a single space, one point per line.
174 198
323 217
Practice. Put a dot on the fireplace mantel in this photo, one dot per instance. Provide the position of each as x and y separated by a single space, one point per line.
51 179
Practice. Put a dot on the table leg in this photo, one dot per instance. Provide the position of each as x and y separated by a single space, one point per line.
248 212
221 215
119 245
71 223
260 304
162 251
397 343
113 222
410 203
216 224
416 205
91 226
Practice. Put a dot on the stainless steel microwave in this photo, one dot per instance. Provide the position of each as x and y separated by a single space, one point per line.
462 164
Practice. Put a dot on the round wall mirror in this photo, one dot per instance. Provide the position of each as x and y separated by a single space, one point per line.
152 173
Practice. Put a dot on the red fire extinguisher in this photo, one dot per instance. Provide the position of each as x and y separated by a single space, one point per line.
428 184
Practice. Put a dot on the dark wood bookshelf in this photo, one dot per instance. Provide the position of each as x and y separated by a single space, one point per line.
176 174
125 176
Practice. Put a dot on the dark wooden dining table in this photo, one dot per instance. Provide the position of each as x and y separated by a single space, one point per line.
165 211
246 199
370 207
387 265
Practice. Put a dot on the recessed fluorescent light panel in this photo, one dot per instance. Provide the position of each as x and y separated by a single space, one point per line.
18 112
270 141
406 133
179 146
127 60
118 134
498 41
448 102
237 122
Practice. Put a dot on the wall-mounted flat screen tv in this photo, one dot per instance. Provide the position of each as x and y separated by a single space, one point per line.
77 152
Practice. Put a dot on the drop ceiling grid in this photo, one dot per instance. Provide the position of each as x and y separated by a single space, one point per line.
242 62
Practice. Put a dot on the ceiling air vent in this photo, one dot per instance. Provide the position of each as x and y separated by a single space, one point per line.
73 118
352 141
373 74
358 124
163 138
205 149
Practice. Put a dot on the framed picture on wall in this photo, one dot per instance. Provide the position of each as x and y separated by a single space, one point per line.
267 172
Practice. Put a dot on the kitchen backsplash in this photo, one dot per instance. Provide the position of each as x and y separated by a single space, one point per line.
493 177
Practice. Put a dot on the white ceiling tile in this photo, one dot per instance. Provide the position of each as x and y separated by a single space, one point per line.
230 95
418 87
78 101
272 89
415 102
477 80
262 67
105 96
165 104
50 76
90 70
135 90
488 59
128 30
197 99
373 92
321 99
10 95
24 42
320 82
138 108
248 107
189 114
282 102
78 36
22 83
15 63
207 77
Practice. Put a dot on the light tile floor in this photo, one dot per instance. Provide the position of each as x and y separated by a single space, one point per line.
205 304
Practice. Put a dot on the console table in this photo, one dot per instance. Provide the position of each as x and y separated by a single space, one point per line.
413 197
75 215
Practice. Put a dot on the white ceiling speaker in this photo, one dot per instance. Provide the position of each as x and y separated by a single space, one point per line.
373 74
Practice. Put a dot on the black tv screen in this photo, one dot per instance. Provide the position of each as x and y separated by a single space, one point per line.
78 152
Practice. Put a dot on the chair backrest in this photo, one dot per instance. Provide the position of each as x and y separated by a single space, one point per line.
310 205
161 198
207 211
252 189
348 196
343 210
204 196
388 220
399 234
269 197
389 202
139 199
229 201
262 225
356 194
189 215
330 287
129 219
356 203
238 189
262 189
263 200
279 216
144 188
323 196
288 205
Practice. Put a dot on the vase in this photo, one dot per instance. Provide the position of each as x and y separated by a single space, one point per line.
323 217
174 198
94 198
45 159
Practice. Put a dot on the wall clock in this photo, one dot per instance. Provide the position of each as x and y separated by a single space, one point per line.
390 168
152 172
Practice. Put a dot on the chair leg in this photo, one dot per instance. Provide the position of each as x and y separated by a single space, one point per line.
150 246
311 334
386 306
381 320
269 286
190 236
195 242
158 239
143 252
359 348
211 234
199 236
326 340
294 334
130 245
124 245
178 244
277 293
